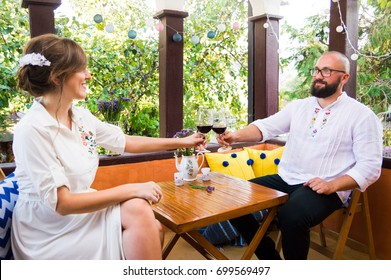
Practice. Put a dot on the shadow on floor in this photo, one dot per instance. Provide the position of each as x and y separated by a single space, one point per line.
183 251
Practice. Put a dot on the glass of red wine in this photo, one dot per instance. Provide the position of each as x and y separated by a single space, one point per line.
220 126
204 122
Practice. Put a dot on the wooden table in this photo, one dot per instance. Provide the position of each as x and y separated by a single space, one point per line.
185 209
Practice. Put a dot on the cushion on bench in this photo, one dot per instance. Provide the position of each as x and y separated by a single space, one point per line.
236 164
265 161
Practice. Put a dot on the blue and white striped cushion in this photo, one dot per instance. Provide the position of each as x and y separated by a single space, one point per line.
8 196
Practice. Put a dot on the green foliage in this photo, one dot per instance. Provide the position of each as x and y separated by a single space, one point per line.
14 30
374 67
215 70
374 63
124 71
307 44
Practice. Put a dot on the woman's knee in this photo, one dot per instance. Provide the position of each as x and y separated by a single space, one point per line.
136 209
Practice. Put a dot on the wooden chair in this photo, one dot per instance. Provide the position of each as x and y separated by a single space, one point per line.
356 205
2 175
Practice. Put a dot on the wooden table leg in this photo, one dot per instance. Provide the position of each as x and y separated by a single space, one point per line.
200 243
259 234
169 246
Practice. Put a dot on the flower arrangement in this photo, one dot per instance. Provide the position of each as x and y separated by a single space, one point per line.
184 151
112 106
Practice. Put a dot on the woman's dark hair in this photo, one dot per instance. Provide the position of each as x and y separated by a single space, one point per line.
66 58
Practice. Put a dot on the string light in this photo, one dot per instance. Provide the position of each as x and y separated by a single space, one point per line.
355 55
195 39
235 25
269 24
339 29
211 34
98 18
132 34
221 27
159 26
177 37
109 28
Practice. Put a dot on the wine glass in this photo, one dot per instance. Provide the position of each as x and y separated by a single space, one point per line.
220 126
204 122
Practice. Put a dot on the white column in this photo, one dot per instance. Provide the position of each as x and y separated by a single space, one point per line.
260 7
177 5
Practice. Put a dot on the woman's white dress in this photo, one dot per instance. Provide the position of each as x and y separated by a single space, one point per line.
48 155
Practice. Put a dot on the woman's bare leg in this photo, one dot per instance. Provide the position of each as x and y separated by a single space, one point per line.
141 235
161 232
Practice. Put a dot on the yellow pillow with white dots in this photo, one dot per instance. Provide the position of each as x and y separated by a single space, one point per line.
237 164
265 162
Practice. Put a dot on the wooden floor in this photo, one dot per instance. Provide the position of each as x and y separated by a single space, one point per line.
183 251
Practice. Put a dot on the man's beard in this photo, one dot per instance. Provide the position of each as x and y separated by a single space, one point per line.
326 91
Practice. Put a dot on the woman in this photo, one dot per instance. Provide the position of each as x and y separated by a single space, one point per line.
58 215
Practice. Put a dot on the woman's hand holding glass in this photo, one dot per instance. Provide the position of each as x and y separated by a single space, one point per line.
204 123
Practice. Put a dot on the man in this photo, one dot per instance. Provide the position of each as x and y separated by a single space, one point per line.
334 146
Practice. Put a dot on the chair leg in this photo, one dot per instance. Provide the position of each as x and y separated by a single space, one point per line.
368 223
279 242
322 237
344 232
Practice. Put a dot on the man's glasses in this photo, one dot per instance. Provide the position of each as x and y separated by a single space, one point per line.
325 72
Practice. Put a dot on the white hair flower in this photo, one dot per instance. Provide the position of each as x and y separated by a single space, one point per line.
35 59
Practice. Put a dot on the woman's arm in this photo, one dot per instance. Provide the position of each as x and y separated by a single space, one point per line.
76 203
141 144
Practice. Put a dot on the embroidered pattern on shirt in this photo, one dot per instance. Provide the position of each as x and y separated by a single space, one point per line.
316 128
88 140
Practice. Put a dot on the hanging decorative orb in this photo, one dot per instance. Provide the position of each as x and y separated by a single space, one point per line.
354 57
195 39
177 37
211 34
339 29
132 34
98 18
221 27
235 25
159 27
265 25
300 57
109 28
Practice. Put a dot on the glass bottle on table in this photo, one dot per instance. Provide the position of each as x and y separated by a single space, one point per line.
204 122
220 126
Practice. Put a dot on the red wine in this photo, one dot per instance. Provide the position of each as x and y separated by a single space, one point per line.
219 130
204 128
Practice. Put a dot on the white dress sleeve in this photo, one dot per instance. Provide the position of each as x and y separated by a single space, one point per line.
108 136
35 152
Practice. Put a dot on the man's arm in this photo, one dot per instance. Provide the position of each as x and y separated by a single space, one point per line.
250 133
342 183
